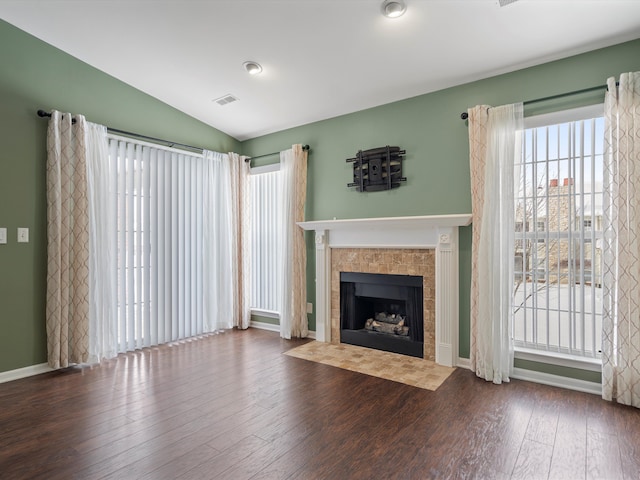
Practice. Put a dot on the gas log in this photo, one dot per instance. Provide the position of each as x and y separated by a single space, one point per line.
391 324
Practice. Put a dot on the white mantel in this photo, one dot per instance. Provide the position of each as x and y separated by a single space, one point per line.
438 232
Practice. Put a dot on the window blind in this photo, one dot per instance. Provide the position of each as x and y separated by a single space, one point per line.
266 219
159 196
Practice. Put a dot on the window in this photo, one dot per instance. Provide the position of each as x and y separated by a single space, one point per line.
159 213
557 286
166 276
266 221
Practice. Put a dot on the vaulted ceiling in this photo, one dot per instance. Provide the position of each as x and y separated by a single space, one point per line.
320 58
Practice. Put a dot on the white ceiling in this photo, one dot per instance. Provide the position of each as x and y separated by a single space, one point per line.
321 58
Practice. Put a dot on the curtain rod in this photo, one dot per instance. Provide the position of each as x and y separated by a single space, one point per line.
42 113
248 159
465 115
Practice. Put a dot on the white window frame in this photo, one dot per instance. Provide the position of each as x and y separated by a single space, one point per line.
274 167
550 357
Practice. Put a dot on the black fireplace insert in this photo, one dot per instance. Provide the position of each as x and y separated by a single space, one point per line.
382 311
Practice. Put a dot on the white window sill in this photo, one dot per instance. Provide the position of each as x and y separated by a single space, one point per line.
265 313
560 359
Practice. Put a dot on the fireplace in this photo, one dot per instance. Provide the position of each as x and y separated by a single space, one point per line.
390 245
382 311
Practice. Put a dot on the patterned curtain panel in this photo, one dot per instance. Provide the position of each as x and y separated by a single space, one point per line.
621 249
293 314
240 213
493 141
67 311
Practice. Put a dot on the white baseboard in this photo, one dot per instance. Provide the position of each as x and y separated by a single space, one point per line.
464 363
275 328
557 381
24 372
546 379
264 326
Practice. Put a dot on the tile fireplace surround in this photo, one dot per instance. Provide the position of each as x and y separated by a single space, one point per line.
398 240
394 261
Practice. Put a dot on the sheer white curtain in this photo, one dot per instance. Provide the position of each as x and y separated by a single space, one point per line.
494 142
220 270
102 251
621 252
68 259
293 289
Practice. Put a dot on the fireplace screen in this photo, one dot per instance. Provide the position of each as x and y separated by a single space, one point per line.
382 311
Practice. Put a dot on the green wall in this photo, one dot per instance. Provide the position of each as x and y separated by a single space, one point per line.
436 139
34 75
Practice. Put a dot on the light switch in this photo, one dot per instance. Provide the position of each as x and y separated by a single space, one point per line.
23 235
3 235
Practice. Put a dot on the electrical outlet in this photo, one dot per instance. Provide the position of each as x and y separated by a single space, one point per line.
3 235
309 307
23 235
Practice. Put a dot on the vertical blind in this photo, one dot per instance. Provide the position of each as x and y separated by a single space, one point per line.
160 199
558 274
266 220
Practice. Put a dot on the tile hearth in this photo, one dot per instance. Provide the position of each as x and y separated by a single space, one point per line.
390 366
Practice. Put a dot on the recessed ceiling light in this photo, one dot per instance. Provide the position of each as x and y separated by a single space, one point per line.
253 68
393 8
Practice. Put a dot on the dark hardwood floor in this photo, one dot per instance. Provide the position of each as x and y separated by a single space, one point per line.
231 406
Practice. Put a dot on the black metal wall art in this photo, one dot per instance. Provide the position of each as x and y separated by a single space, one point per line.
377 169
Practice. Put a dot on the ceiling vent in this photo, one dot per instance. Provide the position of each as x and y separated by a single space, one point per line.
225 99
